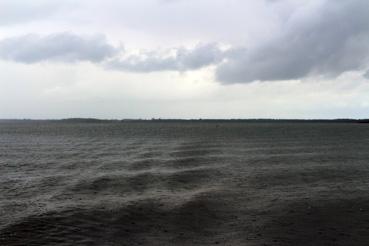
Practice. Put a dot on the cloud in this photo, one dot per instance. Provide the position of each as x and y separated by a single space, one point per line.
61 47
366 74
19 11
179 59
315 38
322 38
68 47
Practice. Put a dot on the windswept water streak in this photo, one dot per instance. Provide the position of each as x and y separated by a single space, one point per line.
181 183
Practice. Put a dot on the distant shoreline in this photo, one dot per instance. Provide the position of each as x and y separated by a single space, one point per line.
96 120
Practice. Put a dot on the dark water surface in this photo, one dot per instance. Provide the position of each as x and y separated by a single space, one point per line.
184 184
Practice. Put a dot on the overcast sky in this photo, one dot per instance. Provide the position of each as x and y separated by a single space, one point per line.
184 58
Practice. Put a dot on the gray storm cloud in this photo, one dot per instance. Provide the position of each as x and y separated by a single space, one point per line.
181 59
327 40
62 47
319 38
67 47
366 74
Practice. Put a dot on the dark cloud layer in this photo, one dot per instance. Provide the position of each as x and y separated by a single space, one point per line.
181 60
326 41
67 47
319 38
366 74
64 47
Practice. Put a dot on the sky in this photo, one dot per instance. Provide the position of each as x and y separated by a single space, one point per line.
118 59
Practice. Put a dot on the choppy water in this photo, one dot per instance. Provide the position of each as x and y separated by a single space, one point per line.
184 184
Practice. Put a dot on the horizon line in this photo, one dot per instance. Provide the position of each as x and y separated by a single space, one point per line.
183 119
